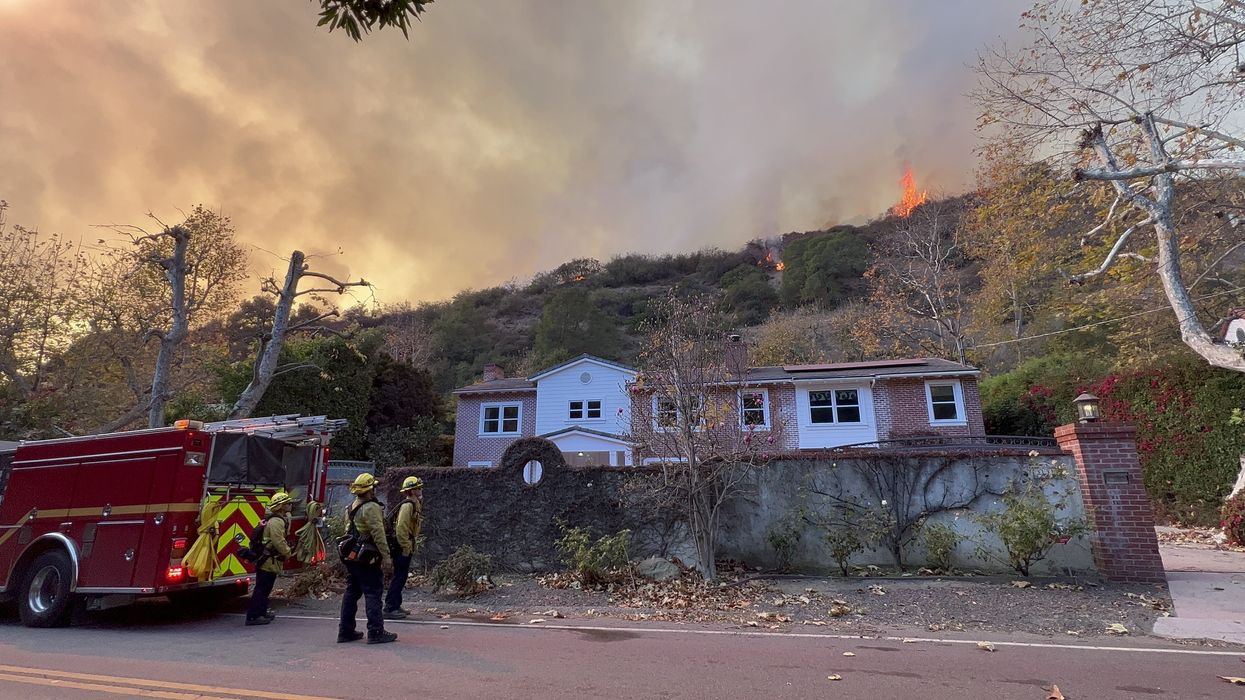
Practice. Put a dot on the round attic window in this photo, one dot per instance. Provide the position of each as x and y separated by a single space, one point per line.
532 471
585 378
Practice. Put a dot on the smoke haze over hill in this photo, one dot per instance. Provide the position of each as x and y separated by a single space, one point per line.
504 138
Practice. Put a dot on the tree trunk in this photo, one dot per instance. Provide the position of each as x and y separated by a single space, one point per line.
270 353
1192 332
171 340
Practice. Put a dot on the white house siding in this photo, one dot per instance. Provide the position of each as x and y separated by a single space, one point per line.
555 391
814 436
574 443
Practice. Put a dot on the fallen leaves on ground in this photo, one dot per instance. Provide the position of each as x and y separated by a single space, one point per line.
985 646
1234 680
1055 694
1022 584
877 590
1198 537
689 598
537 621
1149 602
499 617
839 608
834 677
553 614
849 653
1116 628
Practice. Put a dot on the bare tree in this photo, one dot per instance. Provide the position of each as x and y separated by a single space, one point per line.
1148 92
160 287
695 414
921 282
408 336
268 358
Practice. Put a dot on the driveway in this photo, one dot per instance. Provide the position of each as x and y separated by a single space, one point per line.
1207 587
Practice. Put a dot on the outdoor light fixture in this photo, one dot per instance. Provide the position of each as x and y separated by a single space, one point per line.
1087 408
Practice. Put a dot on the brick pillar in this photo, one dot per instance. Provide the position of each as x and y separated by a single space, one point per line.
1122 522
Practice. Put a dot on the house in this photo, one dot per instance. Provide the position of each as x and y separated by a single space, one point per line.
581 405
584 406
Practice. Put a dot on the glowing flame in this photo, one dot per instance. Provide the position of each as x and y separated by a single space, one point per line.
911 199
769 262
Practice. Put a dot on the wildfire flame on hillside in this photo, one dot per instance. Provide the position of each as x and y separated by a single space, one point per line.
911 199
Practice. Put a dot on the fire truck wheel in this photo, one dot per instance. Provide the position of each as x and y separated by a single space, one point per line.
44 599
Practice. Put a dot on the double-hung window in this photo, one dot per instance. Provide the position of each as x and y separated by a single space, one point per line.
834 406
589 409
754 409
500 418
666 413
945 400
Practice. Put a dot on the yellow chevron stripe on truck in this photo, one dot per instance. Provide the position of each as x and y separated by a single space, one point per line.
237 518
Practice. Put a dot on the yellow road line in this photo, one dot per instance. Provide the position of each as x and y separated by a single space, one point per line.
55 675
113 689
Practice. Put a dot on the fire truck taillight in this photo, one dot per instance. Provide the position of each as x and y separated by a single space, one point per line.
195 459
185 424
175 574
179 547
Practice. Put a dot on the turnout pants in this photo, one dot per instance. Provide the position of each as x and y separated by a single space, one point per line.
264 581
364 581
401 569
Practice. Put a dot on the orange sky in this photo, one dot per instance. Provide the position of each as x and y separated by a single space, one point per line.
504 138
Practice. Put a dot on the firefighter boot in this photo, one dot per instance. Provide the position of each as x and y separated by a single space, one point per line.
343 637
382 638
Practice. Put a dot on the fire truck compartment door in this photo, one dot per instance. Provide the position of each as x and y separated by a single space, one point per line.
111 543
238 458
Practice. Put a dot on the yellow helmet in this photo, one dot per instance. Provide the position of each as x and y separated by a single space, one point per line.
362 484
279 499
411 483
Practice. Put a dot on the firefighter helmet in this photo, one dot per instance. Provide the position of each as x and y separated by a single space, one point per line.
279 499
362 484
411 483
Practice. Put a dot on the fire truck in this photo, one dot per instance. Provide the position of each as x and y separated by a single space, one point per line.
103 520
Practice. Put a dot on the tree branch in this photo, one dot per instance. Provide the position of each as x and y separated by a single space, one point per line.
1152 170
1111 256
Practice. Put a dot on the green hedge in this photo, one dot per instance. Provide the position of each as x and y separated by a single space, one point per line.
1181 406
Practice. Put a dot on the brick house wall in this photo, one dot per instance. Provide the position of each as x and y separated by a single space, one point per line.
469 445
903 410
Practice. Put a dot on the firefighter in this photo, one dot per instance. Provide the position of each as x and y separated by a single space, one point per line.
365 568
276 550
407 521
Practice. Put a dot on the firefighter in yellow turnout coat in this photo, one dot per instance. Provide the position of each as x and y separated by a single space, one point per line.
276 551
408 518
364 571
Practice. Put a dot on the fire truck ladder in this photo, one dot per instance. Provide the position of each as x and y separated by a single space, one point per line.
288 427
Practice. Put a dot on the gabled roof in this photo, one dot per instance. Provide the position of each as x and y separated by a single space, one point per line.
585 431
582 358
510 384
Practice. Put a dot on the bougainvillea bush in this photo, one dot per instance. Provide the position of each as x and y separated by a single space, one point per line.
1232 519
1189 449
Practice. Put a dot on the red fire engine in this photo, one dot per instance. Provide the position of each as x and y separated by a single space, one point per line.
106 519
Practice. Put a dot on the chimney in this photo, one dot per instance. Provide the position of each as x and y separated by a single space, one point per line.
735 351
493 372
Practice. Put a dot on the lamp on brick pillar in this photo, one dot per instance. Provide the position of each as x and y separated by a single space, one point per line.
1087 408
1122 535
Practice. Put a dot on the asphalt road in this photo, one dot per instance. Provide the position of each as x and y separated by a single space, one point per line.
151 652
